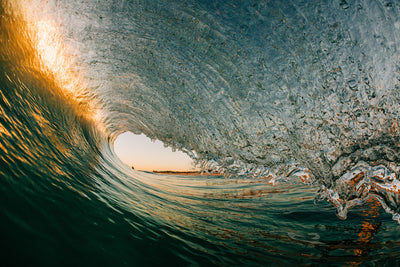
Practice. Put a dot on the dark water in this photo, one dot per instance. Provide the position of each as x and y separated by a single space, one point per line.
264 92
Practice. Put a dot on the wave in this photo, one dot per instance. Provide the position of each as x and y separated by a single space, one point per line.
293 101
272 90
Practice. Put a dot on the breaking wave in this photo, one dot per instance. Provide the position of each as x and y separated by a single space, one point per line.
289 99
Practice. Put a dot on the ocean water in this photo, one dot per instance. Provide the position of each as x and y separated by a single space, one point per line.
295 103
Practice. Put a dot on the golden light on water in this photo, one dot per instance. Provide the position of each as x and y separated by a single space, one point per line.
51 54
54 58
49 47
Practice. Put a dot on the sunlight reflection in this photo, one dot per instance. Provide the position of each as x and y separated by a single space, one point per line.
55 60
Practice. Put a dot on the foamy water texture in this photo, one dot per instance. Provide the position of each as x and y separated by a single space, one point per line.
291 102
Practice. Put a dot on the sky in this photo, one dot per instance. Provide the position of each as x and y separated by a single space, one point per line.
143 154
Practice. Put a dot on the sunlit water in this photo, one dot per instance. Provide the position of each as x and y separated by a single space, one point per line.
295 104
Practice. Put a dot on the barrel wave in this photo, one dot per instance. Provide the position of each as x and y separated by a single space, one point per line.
296 105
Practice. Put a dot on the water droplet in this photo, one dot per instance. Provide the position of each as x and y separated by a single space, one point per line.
343 4
352 83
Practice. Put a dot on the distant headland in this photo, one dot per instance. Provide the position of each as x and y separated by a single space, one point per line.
197 173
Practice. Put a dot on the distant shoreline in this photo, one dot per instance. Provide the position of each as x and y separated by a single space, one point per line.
197 173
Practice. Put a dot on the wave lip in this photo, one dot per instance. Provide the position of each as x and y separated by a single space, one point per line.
361 183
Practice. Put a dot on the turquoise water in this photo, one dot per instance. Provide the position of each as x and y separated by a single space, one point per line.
295 104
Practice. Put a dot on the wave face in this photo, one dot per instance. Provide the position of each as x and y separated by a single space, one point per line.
266 89
291 99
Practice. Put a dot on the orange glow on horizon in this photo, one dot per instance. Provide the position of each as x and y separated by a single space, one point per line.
140 152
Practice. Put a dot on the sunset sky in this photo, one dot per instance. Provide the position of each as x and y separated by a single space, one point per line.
143 154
